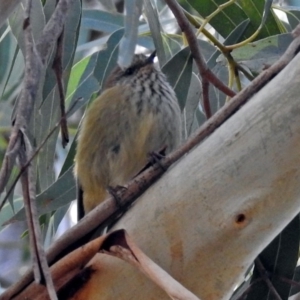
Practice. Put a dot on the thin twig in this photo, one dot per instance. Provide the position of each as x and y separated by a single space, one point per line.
58 70
249 288
40 266
205 97
289 281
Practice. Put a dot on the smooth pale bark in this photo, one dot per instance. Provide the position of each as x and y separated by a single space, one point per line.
207 219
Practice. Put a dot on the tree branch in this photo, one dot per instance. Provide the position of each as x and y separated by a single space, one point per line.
204 71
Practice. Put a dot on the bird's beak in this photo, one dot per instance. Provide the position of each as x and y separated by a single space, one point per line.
150 59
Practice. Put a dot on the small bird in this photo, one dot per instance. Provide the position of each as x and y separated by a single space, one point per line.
136 114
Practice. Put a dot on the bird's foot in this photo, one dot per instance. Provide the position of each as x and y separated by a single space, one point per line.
155 157
115 192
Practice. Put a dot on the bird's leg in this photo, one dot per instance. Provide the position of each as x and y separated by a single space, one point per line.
156 156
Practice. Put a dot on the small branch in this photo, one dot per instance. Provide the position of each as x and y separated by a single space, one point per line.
204 71
289 281
57 67
263 273
248 290
205 94
40 265
25 105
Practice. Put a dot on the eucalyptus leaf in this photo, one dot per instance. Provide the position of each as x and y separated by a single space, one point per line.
59 194
48 111
37 22
260 14
133 10
226 20
6 8
192 102
171 44
156 32
49 115
107 58
179 71
5 49
102 20
233 38
8 211
263 53
293 18
82 83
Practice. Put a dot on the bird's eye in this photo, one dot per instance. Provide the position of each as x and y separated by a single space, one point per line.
129 71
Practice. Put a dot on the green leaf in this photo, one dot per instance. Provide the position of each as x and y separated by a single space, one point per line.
216 97
101 20
107 58
49 8
235 13
293 18
259 12
192 102
5 49
179 71
48 112
7 7
172 44
82 83
260 54
71 31
226 20
133 9
69 161
59 194
8 211
37 22
156 32
49 115
200 117
11 86
233 38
